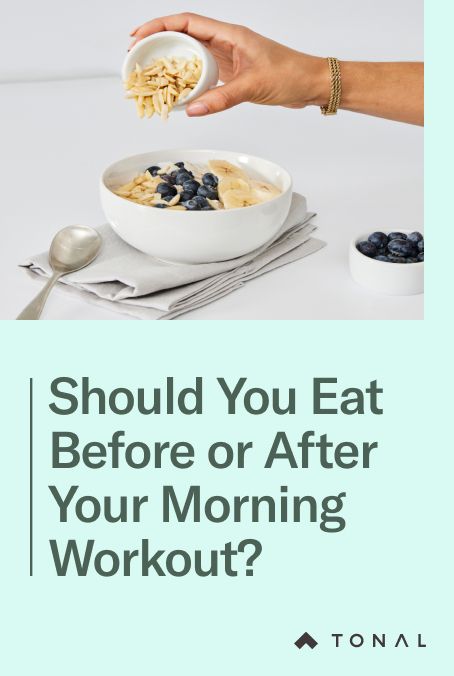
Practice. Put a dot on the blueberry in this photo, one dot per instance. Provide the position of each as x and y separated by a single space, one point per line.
160 206
182 176
421 257
185 196
400 247
379 239
174 173
367 248
415 237
207 208
210 180
421 245
167 178
411 259
382 258
396 235
179 164
201 201
191 186
396 259
205 191
153 170
167 198
191 205
166 189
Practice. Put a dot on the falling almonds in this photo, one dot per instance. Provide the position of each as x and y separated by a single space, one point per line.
158 87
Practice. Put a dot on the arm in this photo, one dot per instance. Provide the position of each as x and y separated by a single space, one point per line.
256 69
391 90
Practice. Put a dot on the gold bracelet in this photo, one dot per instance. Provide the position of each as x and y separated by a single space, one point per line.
336 88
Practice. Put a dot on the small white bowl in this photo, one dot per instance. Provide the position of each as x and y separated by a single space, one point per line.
195 236
394 279
168 44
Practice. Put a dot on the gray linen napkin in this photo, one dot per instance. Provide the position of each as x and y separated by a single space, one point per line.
129 281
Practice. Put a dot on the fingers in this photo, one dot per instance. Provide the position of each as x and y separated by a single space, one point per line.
200 27
219 98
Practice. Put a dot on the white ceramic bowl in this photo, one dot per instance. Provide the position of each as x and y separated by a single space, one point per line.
195 236
395 279
170 43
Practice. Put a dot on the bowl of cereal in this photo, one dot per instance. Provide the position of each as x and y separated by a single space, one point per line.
166 71
195 206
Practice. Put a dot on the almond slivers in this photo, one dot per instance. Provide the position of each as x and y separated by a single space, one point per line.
156 88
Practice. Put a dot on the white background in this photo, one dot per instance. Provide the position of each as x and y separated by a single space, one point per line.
358 173
54 38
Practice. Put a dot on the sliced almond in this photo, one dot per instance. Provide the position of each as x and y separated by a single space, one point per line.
162 83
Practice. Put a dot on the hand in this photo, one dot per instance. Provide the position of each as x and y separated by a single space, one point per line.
252 67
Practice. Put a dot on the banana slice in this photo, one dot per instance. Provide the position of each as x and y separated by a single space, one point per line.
233 199
231 184
264 191
224 169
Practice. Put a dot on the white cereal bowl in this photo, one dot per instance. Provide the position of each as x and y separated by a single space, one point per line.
168 44
195 236
394 279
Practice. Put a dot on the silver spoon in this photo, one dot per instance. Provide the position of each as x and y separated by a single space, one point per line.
72 249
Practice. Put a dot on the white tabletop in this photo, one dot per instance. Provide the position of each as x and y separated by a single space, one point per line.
359 174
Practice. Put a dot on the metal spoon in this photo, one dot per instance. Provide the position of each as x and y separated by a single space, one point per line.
72 249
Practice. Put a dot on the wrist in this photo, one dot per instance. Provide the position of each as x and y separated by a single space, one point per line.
317 81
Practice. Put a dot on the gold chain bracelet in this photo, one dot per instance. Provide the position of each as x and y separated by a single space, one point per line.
336 88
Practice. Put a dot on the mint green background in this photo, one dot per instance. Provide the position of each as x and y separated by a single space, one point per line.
388 571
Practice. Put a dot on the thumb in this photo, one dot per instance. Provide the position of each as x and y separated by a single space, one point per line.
218 99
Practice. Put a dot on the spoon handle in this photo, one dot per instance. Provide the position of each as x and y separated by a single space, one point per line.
34 309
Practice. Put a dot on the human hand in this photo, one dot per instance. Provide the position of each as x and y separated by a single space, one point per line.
252 67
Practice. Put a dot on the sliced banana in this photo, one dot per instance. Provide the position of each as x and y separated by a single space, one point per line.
231 184
224 169
233 199
264 191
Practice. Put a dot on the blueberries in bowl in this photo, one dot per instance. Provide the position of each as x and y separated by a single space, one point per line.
168 178
368 249
396 247
191 205
185 196
379 239
415 237
196 203
396 259
396 235
400 247
183 176
201 201
164 189
210 180
191 186
209 193
153 170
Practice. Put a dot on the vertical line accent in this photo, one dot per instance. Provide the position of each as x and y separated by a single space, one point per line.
31 478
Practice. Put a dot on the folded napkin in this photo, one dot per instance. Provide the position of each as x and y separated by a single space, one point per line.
129 281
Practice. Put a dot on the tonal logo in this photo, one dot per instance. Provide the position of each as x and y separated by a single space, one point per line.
363 640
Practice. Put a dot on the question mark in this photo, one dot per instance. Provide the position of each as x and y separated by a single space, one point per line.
256 553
